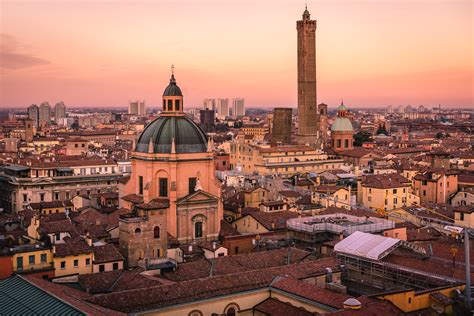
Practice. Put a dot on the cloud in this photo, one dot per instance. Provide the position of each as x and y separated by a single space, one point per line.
14 55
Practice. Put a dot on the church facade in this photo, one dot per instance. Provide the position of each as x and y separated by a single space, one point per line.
173 183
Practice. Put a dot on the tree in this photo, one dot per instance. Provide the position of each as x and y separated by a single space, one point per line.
362 137
381 130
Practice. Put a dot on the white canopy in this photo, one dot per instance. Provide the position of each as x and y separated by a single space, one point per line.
367 245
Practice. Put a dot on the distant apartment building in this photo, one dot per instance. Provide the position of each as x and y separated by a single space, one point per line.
44 116
385 192
222 108
59 112
209 104
34 181
137 107
33 114
238 105
281 160
281 130
436 186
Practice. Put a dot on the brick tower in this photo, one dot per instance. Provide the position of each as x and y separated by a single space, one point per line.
308 118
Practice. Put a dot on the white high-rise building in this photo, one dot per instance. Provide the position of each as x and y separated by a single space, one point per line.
137 107
59 112
238 107
222 108
44 116
209 104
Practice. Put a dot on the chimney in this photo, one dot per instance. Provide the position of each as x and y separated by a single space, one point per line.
190 248
88 239
214 245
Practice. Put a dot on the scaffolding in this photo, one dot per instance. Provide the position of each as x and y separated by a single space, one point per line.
378 276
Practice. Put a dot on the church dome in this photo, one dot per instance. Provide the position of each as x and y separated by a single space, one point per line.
172 90
188 136
342 124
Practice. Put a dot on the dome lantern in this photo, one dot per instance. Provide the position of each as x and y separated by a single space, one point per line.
172 97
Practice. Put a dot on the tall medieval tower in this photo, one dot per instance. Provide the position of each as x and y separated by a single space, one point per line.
308 116
310 130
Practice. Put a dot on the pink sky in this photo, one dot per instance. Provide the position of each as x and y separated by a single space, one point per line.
369 52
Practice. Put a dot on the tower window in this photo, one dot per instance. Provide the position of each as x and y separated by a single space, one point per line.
346 143
192 185
176 103
140 185
163 182
156 232
170 105
164 105
138 231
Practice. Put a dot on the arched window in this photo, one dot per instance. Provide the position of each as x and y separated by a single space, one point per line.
138 231
156 232
198 230
231 312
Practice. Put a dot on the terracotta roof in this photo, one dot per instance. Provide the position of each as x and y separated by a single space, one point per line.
273 220
385 181
51 204
227 229
289 193
280 149
106 253
310 292
275 307
134 198
205 288
358 153
115 281
234 264
72 247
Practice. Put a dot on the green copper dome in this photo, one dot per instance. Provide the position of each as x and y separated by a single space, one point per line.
342 124
172 90
188 136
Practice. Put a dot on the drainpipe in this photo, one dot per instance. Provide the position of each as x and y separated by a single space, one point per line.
467 290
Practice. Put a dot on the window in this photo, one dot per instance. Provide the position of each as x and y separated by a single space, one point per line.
138 231
198 230
25 197
58 236
192 185
43 258
42 197
231 312
170 105
156 232
236 250
101 268
115 266
63 265
31 259
176 105
56 196
76 263
19 263
424 192
338 143
394 191
461 216
346 143
163 182
164 105
88 262
140 185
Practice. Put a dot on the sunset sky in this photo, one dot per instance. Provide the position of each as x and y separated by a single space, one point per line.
369 52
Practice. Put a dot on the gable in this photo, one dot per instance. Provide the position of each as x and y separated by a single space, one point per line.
198 197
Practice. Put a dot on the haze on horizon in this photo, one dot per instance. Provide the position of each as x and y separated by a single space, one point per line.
369 53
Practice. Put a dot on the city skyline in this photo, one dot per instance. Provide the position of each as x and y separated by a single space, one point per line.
416 55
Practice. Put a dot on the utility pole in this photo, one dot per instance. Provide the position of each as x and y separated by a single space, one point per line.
467 258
